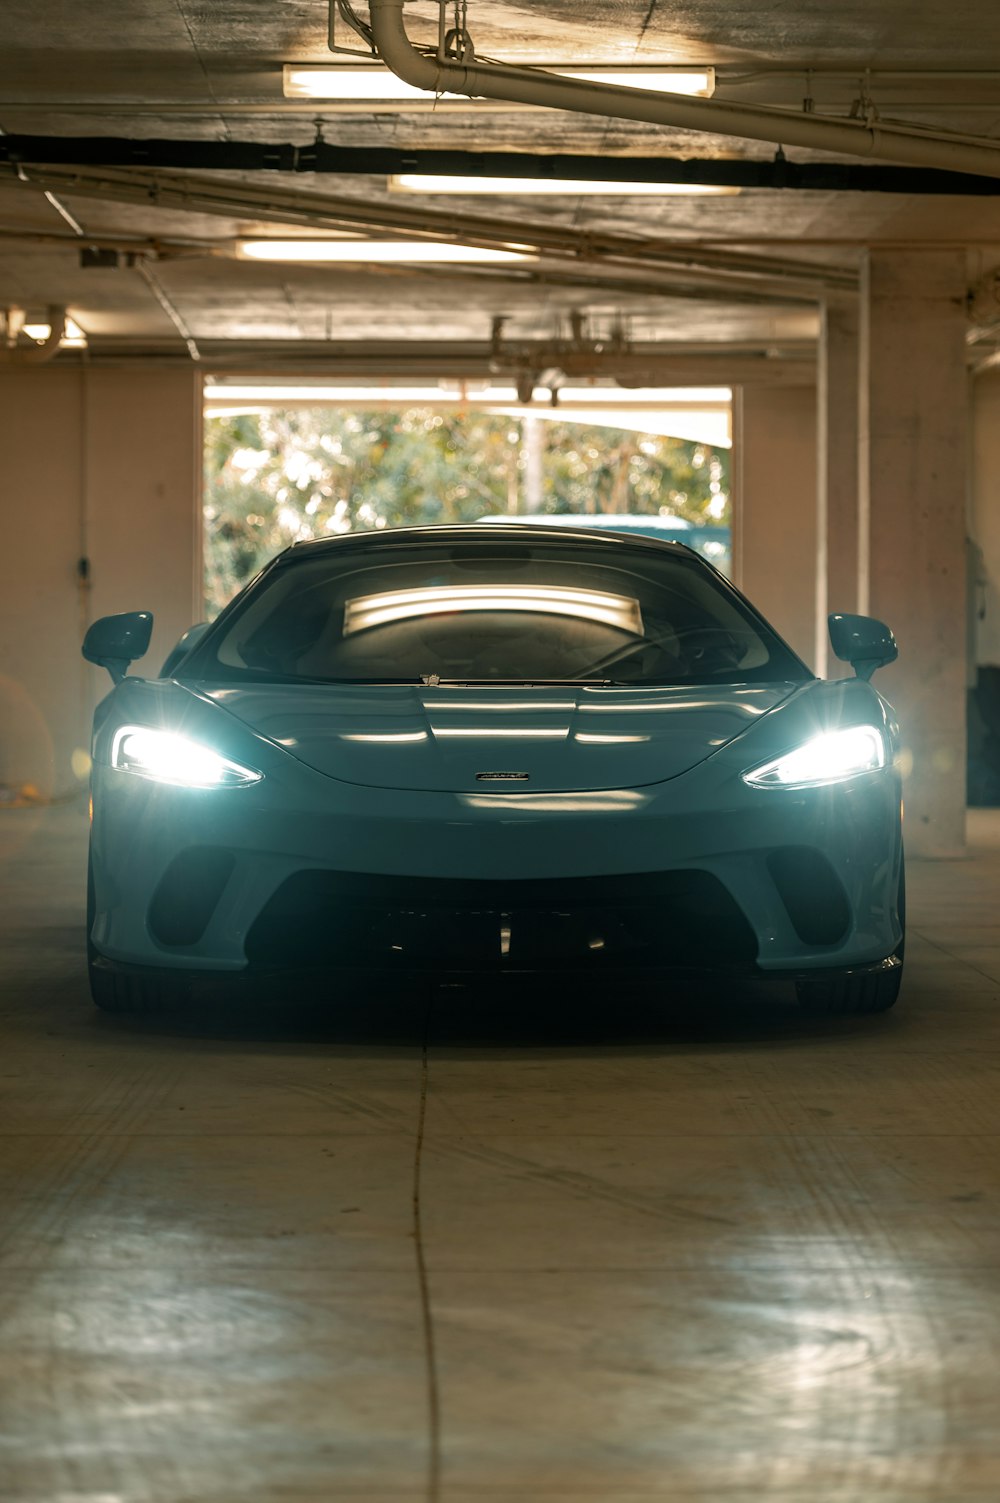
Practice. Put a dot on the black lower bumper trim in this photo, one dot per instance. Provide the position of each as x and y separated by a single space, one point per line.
317 979
655 920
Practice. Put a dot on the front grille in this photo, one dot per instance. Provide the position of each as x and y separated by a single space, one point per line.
679 920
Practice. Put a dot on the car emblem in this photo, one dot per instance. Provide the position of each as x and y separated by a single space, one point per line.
502 777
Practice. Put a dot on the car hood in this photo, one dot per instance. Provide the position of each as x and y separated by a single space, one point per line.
554 739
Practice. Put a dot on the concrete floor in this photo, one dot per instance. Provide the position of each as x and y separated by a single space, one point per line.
728 1256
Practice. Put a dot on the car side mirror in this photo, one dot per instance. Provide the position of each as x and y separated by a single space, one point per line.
863 642
113 642
182 647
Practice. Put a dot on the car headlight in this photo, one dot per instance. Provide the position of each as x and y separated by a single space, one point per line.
167 757
829 758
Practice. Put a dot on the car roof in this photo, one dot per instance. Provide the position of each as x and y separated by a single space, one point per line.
625 521
485 532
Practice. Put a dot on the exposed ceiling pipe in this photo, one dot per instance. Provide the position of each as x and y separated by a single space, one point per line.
278 204
32 353
321 156
589 280
421 360
174 314
438 73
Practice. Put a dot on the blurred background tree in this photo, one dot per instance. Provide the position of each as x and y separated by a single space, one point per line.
279 475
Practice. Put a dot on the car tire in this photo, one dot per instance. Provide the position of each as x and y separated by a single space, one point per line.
120 992
871 990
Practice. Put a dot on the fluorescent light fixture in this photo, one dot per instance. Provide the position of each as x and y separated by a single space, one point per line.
372 252
428 182
73 336
690 81
350 83
374 84
368 611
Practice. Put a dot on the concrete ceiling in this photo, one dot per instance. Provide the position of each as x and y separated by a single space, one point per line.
686 280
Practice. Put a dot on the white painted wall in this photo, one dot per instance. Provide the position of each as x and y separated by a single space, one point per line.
105 464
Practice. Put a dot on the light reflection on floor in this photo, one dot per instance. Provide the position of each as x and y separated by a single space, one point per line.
675 1249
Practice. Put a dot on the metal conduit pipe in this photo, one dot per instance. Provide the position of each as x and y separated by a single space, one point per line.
189 193
862 138
36 354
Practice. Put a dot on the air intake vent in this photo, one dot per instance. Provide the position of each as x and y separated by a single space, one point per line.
812 894
187 895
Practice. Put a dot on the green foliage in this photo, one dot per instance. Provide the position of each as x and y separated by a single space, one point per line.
278 476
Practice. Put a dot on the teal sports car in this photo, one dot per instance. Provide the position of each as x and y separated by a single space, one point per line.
492 749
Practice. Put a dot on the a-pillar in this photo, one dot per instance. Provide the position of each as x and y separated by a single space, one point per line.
774 452
913 441
100 500
837 477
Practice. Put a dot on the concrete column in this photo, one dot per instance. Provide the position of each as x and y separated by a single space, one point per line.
102 465
837 478
913 438
774 464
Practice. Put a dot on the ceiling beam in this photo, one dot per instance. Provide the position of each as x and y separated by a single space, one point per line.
791 363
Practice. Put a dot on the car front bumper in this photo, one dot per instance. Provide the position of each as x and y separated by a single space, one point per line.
183 878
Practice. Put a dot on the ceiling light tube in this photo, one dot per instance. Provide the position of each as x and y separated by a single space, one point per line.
372 252
342 84
511 187
698 82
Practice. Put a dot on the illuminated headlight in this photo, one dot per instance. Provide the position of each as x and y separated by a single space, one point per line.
168 758
830 758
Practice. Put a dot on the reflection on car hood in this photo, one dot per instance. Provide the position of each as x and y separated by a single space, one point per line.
564 738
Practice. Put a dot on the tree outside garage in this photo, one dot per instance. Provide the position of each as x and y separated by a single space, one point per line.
277 476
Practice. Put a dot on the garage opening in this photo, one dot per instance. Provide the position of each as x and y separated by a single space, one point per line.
287 461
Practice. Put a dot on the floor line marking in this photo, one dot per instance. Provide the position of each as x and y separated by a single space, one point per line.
427 1315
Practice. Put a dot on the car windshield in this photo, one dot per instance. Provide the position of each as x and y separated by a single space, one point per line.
477 611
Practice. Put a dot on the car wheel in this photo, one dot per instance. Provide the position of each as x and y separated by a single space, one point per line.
118 992
863 991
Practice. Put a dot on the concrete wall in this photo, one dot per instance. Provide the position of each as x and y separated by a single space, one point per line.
913 442
774 462
100 464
